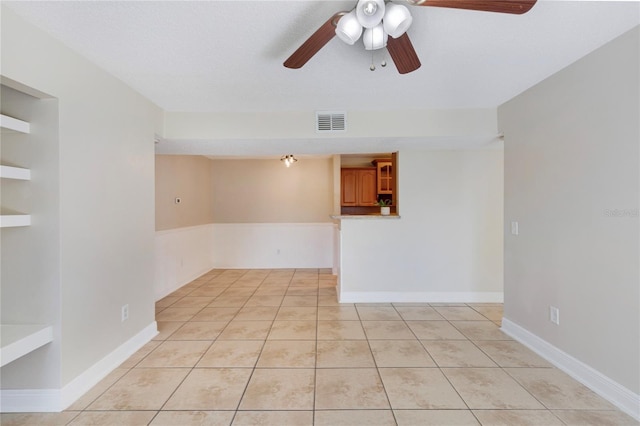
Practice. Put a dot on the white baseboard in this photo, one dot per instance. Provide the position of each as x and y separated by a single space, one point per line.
420 297
612 391
85 381
56 400
162 293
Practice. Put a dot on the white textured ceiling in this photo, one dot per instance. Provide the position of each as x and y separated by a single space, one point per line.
227 55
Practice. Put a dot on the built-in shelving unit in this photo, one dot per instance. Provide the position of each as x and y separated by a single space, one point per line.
14 220
9 172
17 336
13 124
18 340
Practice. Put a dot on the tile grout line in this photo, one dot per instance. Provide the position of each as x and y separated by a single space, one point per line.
246 386
315 356
257 358
434 360
375 363
190 370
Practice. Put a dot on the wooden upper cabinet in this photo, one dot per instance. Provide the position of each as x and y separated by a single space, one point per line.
358 186
385 176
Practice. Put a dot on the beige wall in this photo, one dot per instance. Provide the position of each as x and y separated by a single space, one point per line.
571 163
189 178
265 191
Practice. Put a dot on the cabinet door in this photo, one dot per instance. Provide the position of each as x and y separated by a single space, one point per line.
385 178
367 184
348 183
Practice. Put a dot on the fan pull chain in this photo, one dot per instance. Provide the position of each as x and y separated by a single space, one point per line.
373 66
383 63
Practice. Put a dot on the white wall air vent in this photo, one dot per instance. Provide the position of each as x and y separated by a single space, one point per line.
331 121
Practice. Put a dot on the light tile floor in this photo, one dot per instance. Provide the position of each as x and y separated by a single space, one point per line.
273 347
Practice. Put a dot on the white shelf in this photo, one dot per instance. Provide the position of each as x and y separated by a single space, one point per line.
9 172
19 340
10 123
13 220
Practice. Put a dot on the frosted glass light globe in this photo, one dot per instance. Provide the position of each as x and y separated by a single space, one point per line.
397 20
348 28
374 38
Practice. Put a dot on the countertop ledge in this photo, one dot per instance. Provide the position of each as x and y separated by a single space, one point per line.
364 216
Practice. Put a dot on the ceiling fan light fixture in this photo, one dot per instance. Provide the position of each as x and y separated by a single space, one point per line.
375 38
348 28
370 12
397 20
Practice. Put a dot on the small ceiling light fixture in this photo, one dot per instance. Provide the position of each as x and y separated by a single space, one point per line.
288 159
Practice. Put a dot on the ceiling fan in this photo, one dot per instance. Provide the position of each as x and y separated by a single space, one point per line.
384 24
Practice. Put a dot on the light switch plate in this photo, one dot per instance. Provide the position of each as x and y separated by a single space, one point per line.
514 228
124 311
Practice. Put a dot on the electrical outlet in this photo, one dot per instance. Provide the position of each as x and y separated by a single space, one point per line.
554 315
125 312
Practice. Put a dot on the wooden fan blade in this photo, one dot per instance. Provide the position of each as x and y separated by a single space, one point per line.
314 43
403 54
517 7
